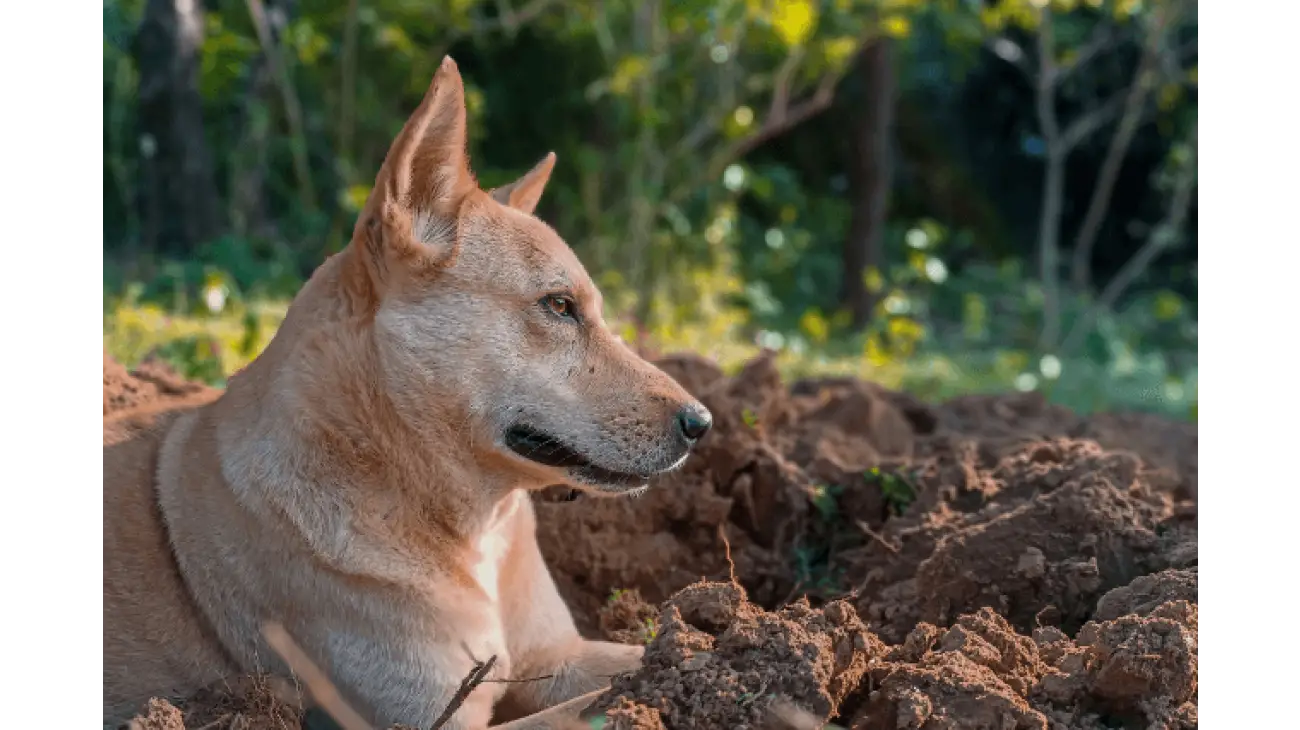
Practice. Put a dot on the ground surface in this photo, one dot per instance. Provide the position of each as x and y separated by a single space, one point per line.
990 562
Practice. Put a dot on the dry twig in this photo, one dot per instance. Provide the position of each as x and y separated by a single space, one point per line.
866 529
726 545
476 676
320 687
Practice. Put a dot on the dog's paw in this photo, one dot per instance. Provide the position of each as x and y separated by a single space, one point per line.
609 659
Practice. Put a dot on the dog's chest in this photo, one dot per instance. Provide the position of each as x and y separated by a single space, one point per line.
489 550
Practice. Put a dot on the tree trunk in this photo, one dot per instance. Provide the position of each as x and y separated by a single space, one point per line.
99 127
249 213
178 197
99 163
1049 246
870 178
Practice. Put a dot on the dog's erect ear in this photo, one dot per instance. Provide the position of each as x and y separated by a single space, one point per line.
524 193
426 175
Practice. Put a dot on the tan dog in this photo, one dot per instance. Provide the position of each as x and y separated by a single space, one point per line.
365 481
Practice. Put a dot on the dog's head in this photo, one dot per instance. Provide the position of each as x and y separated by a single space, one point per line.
487 326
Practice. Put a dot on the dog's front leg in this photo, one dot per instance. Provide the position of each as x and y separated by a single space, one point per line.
571 715
581 669
406 680
552 663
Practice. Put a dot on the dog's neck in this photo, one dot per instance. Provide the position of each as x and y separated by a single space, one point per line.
309 426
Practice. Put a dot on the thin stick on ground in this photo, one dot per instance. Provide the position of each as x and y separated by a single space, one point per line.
866 529
221 721
476 676
726 545
320 687
525 680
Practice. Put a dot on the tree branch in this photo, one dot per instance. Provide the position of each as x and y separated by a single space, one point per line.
1160 239
348 92
510 20
1103 39
507 19
1144 79
292 106
781 89
1045 81
786 117
1049 220
1094 119
779 120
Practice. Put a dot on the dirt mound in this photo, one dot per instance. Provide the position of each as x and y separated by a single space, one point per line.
773 463
994 561
149 385
926 512
720 661
1003 518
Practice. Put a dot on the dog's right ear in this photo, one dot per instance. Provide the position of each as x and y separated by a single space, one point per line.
414 207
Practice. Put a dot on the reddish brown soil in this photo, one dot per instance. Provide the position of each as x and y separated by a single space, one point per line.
149 385
720 661
139 400
989 562
258 704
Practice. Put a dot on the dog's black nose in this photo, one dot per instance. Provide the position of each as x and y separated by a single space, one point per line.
694 420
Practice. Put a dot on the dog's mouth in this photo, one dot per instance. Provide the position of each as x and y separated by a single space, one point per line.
542 448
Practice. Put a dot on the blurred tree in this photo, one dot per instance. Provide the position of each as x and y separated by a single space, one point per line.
250 163
720 161
870 178
178 194
1146 78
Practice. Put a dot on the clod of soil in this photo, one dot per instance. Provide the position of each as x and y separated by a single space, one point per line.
158 715
1147 593
628 619
721 661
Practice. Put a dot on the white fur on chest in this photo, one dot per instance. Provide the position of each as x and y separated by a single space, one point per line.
489 549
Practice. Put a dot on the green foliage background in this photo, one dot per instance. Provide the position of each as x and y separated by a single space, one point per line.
697 247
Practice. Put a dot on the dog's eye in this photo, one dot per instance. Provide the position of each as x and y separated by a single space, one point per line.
560 306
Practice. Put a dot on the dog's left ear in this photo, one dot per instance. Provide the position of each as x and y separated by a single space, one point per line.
524 193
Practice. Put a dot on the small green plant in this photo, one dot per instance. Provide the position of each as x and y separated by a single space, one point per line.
825 499
894 487
650 630
750 419
616 594
814 572
195 358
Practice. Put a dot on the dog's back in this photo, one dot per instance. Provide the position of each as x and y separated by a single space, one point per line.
153 637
